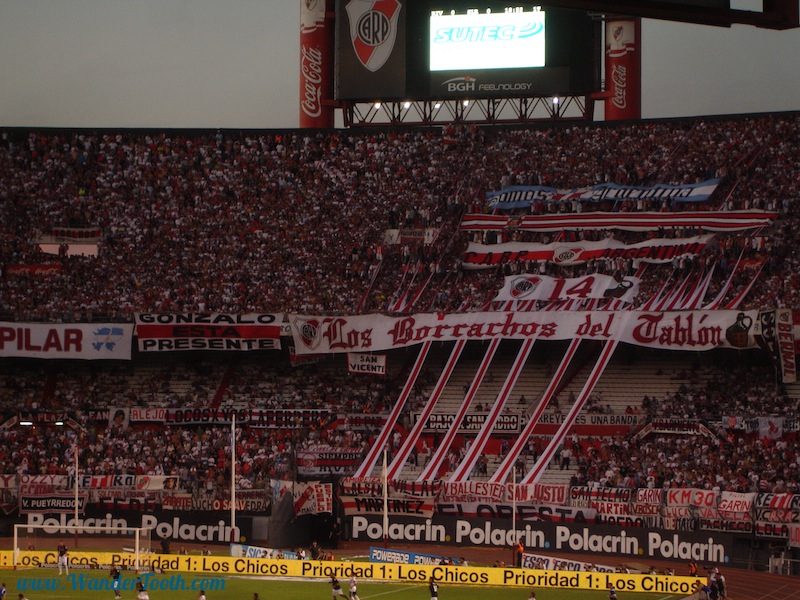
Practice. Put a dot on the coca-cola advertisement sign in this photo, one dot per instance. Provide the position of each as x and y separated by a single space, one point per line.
623 70
316 65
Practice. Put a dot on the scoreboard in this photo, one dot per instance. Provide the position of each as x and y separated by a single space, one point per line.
444 50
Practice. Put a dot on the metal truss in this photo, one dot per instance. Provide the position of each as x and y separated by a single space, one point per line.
479 111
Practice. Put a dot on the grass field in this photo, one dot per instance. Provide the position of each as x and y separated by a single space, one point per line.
37 584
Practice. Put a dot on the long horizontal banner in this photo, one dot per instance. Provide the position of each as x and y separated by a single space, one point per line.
514 197
696 330
659 250
546 288
290 567
208 331
633 542
84 341
730 221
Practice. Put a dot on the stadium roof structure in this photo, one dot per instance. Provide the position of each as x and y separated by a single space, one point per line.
775 14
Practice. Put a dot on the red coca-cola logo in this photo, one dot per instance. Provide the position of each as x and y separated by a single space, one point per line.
311 73
619 77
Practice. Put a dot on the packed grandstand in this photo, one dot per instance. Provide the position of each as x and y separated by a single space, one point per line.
339 294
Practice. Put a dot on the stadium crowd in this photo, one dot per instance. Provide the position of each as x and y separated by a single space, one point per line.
348 222
296 221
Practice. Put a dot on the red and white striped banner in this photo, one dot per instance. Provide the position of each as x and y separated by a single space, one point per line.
734 220
486 256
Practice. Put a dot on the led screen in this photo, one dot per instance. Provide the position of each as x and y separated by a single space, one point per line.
510 40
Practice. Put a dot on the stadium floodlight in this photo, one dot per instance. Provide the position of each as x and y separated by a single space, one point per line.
407 105
132 542
377 106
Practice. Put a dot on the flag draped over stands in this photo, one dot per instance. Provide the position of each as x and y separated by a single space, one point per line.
717 221
501 474
411 439
431 469
544 459
383 439
464 469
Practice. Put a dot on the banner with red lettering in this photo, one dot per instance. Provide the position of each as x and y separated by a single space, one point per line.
786 343
730 221
545 288
208 331
695 330
686 497
84 341
545 493
396 505
734 503
41 484
44 270
657 250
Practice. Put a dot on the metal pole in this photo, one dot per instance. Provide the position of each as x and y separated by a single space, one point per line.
233 479
77 439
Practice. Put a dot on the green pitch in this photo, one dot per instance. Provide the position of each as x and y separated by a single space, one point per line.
38 584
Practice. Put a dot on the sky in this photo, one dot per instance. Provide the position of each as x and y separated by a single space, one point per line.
234 64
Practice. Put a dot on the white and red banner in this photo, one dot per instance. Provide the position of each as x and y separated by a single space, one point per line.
786 344
546 288
323 460
396 505
41 484
686 497
728 221
472 491
366 364
41 270
794 535
373 487
208 331
732 504
551 563
695 330
136 482
312 498
660 250
85 341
